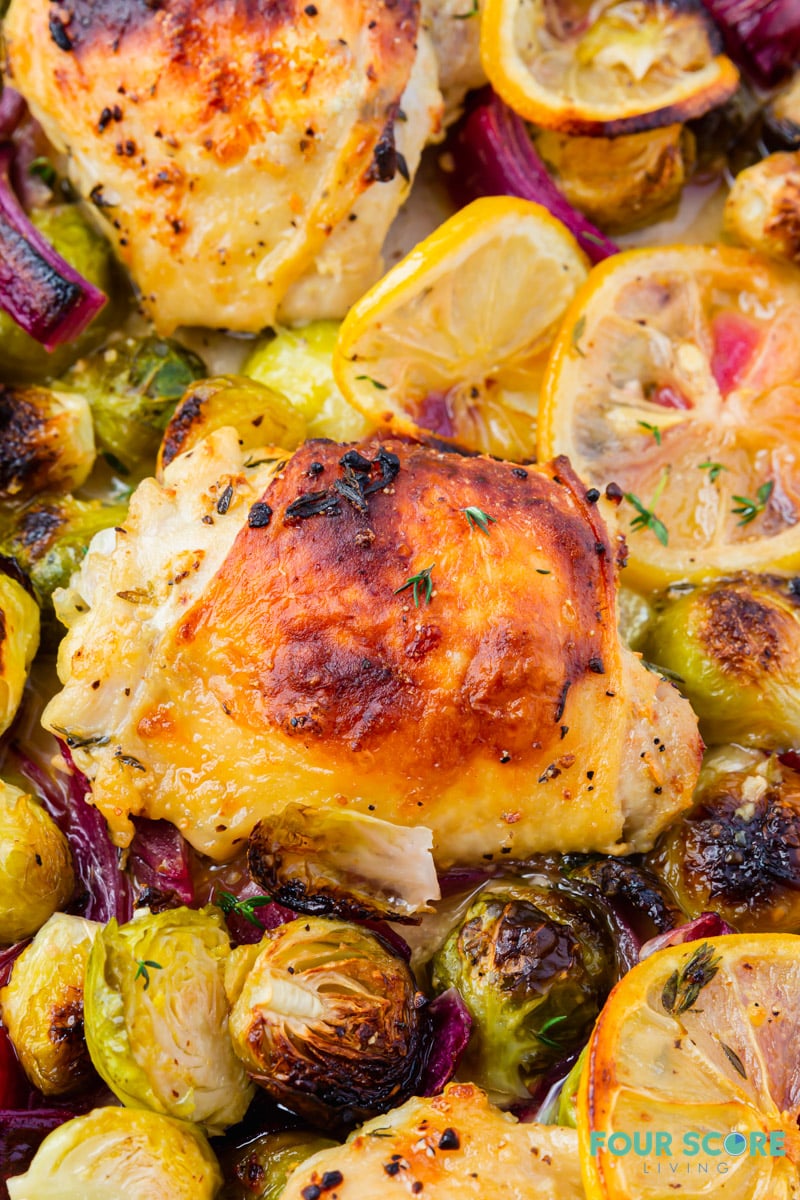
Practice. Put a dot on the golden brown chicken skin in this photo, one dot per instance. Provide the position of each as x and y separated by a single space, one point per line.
364 643
225 144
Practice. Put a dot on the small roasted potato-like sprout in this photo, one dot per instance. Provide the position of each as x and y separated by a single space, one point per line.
260 415
36 875
115 1152
298 363
623 182
326 1017
533 970
733 646
19 637
22 358
156 1016
132 388
42 1005
737 851
347 864
260 1170
46 441
762 210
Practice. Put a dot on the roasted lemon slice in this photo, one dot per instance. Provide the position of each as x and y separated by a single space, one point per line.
692 1081
607 68
676 375
454 339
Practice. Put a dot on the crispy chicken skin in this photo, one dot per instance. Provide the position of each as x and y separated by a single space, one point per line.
225 145
454 1145
271 655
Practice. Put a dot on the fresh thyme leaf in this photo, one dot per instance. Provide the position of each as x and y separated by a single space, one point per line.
382 387
746 509
42 168
81 741
664 672
734 1060
654 429
542 1034
684 986
241 908
465 16
646 518
478 519
591 237
713 469
143 967
542 571
415 582
577 333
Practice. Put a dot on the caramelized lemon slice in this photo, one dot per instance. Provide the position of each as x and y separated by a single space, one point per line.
604 69
454 339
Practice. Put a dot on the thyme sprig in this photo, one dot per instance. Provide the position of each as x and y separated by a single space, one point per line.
646 518
143 968
421 580
684 986
241 908
478 519
713 468
746 509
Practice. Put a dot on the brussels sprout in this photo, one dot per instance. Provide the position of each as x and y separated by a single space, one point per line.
737 851
623 182
344 863
762 210
22 358
734 647
261 417
157 1019
326 1018
42 1005
36 876
46 441
533 970
19 637
49 538
635 615
260 1170
298 363
113 1152
132 387
567 1111
782 118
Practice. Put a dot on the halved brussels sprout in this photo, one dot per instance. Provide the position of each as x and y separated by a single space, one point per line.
262 417
298 364
22 358
734 648
623 182
261 1169
534 970
345 864
762 210
46 441
132 387
115 1152
49 538
157 1018
737 851
42 1005
326 1018
36 875
19 637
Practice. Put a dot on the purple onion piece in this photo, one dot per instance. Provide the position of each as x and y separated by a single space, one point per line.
107 889
462 879
23 1130
244 931
761 36
159 864
494 156
708 924
547 1088
450 1025
12 110
46 296
392 938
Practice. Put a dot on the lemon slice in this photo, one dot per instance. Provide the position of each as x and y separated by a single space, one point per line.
454 339
697 1047
676 375
604 69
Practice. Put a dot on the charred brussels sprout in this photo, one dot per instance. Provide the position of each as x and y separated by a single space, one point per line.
49 538
42 1006
345 864
157 1019
533 970
132 387
737 851
22 358
262 417
735 648
326 1018
261 1170
121 1152
46 441
19 637
36 876
298 363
